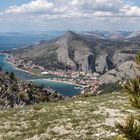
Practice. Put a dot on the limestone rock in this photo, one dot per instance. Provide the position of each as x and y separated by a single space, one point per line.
125 71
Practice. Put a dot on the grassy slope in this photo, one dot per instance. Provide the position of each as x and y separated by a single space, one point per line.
90 118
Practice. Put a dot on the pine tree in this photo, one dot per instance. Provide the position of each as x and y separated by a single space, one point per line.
131 129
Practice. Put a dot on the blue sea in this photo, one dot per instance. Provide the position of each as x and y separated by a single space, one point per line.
18 40
10 41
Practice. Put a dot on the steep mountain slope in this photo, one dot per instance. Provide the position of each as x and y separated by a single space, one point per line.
134 37
115 35
77 51
95 34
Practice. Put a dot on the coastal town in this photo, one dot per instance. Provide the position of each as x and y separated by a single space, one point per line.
87 82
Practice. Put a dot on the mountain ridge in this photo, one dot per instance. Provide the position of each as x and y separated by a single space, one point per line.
80 51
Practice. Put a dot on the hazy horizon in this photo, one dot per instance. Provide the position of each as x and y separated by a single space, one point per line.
45 31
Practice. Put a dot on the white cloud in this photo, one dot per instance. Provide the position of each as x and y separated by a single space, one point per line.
131 10
33 6
102 14
98 5
91 12
64 8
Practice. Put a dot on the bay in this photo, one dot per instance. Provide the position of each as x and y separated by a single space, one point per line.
63 88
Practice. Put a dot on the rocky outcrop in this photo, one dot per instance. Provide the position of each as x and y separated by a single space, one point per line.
103 63
125 71
14 92
70 53
119 58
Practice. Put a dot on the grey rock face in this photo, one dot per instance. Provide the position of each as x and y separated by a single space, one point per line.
129 69
120 58
103 63
125 71
63 56
70 53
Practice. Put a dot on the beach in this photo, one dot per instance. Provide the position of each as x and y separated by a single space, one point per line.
57 81
48 79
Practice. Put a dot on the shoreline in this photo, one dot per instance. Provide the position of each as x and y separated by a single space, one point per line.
19 68
23 70
51 80
15 67
56 81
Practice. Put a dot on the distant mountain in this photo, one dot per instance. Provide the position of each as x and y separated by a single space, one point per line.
84 51
133 35
116 35
95 34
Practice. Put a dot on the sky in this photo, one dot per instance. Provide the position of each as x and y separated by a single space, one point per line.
78 15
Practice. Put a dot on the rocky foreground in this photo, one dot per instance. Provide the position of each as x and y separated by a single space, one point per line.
90 118
14 92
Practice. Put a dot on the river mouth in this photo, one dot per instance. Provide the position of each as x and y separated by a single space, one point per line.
63 88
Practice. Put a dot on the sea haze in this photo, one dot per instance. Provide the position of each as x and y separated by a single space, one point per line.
13 40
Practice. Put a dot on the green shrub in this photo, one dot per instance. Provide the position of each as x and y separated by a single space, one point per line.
109 88
131 128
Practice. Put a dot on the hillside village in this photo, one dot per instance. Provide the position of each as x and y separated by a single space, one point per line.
88 82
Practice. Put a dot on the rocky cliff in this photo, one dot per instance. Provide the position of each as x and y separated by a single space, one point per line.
125 71
89 52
